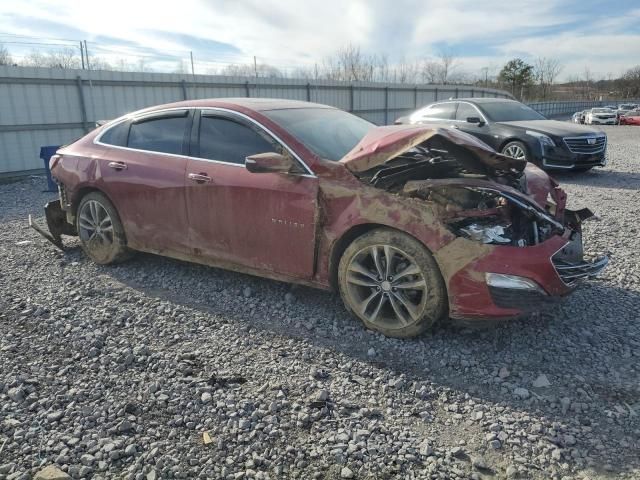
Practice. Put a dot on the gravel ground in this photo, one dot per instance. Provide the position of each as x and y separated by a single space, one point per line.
163 369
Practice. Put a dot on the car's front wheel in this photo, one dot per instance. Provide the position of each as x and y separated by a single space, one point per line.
515 150
392 283
100 230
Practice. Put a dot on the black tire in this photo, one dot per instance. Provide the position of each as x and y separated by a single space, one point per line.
513 146
106 244
398 309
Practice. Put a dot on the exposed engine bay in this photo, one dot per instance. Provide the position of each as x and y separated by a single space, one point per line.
475 199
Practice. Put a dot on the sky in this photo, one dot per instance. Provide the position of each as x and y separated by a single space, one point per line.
603 36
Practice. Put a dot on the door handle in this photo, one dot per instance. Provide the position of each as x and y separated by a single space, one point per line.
117 165
199 177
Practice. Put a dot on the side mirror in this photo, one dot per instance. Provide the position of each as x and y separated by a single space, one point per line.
477 120
270 162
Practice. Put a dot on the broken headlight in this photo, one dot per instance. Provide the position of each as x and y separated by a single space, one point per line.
486 234
499 218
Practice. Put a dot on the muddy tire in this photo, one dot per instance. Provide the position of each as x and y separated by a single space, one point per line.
392 283
100 230
516 150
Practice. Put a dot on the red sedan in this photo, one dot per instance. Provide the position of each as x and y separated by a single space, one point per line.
631 117
410 224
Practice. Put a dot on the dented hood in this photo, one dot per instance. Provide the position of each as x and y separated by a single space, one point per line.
385 143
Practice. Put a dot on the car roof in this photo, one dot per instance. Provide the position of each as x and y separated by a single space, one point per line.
257 104
479 100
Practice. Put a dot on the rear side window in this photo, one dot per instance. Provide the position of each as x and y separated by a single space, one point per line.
466 110
440 111
161 134
224 140
116 135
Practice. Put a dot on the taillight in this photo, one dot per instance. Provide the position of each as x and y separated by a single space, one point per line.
53 161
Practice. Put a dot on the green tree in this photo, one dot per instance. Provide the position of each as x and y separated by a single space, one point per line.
516 74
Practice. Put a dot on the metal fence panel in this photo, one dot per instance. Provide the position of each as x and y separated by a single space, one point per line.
40 106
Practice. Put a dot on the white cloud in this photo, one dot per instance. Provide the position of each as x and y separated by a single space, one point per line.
289 33
464 21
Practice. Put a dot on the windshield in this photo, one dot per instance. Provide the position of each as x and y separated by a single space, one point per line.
509 112
601 110
328 132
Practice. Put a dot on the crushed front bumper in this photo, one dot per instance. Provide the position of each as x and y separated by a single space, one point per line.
57 224
548 265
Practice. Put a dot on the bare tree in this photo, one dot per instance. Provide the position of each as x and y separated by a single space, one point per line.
407 72
430 71
64 58
546 71
181 67
5 57
587 81
448 63
351 65
99 63
249 70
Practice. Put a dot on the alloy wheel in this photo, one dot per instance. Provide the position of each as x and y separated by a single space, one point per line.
515 151
95 225
386 286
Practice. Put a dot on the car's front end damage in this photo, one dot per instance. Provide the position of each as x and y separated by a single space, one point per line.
514 245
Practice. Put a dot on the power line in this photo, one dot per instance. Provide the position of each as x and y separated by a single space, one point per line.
36 37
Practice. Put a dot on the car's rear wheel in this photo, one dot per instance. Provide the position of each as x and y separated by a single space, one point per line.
392 283
100 230
515 150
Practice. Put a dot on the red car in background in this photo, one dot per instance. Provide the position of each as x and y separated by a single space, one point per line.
631 117
410 224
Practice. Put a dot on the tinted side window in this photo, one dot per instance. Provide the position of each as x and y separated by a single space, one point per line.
228 141
441 111
116 135
465 111
164 134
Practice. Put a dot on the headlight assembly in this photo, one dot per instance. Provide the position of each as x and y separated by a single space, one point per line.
545 140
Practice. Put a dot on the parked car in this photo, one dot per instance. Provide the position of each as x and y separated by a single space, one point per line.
631 117
578 117
517 130
410 224
601 116
624 108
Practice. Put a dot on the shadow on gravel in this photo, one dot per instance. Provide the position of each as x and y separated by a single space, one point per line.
585 346
600 178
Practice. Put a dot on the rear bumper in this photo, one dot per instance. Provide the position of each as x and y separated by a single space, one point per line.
57 224
556 266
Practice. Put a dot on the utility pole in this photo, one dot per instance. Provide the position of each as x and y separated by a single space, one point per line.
193 72
82 54
86 52
255 69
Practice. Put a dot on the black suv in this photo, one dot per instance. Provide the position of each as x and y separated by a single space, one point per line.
519 131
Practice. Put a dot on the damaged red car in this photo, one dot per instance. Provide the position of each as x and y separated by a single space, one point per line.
410 224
